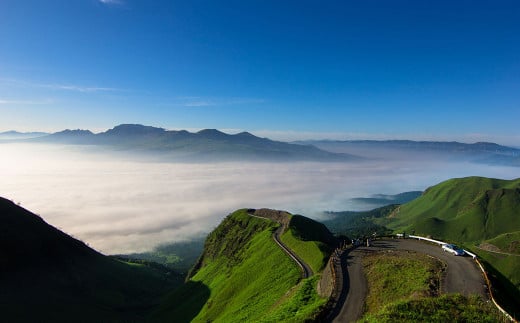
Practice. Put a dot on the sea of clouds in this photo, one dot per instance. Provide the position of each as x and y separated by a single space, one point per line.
118 204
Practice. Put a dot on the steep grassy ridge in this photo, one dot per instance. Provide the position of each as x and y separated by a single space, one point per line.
47 276
247 278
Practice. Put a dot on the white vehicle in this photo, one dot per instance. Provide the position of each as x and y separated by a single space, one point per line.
451 248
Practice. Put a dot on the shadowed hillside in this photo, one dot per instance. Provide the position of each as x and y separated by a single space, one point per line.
48 276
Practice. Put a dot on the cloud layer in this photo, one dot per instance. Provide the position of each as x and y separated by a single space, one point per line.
117 204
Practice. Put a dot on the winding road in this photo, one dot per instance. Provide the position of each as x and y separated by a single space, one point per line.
461 275
305 268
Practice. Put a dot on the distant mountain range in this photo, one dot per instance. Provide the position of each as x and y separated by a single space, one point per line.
208 144
212 144
13 135
480 152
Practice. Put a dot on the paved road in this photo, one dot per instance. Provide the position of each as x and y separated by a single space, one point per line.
305 268
461 276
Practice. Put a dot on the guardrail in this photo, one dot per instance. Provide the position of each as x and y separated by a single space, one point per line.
474 256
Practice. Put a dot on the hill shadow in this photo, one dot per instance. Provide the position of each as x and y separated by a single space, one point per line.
183 304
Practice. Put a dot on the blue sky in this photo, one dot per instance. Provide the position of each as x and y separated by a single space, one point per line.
446 70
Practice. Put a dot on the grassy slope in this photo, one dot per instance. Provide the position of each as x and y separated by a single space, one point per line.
507 242
465 210
48 276
470 211
179 256
446 308
389 300
309 239
422 277
243 276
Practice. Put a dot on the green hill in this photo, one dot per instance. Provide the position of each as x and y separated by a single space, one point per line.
244 276
482 214
48 276
469 209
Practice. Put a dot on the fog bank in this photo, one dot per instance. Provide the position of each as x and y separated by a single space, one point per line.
118 204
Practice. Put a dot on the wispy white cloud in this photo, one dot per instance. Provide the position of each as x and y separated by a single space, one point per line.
58 86
77 88
25 102
111 2
195 101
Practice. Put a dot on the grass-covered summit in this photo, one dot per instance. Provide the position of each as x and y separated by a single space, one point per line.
244 276
463 209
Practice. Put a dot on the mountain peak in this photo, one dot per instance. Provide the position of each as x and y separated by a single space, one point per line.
134 129
76 132
212 133
245 134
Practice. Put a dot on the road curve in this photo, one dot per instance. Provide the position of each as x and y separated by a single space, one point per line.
305 268
461 276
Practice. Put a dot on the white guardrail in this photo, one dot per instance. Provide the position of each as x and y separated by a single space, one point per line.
474 256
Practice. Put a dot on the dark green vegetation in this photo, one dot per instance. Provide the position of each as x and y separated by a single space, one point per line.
181 145
243 276
355 224
311 240
47 276
472 211
179 256
417 300
379 200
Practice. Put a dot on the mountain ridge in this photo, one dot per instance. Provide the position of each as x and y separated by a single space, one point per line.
489 153
206 144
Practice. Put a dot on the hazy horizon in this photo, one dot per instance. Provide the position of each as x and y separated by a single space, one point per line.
290 136
116 203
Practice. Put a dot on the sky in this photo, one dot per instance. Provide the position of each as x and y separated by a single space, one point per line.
447 70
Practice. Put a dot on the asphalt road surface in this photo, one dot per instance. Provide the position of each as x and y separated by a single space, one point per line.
462 274
305 268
